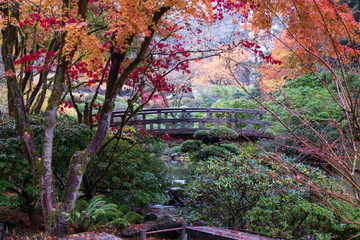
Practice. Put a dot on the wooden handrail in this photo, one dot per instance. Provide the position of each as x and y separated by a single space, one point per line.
186 120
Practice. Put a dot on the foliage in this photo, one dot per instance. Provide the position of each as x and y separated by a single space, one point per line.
135 176
238 94
310 99
222 133
203 135
97 213
301 45
246 192
223 190
216 135
176 149
210 151
190 146
16 177
211 143
292 215
231 148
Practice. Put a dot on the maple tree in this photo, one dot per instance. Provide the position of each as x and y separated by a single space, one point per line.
51 47
319 36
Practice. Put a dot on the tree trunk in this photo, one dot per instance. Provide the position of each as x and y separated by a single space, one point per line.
80 159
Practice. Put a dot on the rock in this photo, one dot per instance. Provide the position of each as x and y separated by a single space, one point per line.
150 217
161 210
134 230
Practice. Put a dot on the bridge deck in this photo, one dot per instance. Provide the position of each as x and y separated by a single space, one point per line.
186 121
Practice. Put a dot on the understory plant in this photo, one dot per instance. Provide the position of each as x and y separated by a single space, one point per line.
97 213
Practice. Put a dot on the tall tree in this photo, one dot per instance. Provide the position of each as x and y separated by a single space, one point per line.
48 47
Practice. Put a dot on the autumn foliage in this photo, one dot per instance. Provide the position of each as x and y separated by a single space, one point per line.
50 48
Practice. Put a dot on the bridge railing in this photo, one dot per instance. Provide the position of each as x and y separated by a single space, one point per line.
189 120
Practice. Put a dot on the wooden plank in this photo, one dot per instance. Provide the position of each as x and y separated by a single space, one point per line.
214 233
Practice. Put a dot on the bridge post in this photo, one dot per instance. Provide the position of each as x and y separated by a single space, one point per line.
233 119
183 116
264 127
167 125
159 117
209 115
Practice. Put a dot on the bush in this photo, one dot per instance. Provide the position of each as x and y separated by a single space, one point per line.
224 190
238 94
242 192
176 149
190 146
222 133
20 190
210 151
293 215
215 135
232 148
134 176
204 136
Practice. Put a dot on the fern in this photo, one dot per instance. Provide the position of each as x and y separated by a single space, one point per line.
97 213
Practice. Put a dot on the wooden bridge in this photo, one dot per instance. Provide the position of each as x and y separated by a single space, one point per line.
182 122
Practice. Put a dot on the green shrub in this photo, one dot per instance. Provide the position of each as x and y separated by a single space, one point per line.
135 176
222 133
190 146
238 94
243 192
20 190
203 135
210 151
176 149
215 135
231 148
293 215
224 190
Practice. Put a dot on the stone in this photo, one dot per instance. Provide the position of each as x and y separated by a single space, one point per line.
150 217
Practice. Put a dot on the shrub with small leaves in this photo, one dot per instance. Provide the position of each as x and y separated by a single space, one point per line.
245 192
190 146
